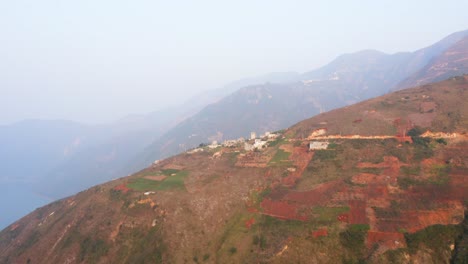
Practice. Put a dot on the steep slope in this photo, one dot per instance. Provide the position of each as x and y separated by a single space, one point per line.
348 79
213 96
64 157
372 194
368 73
106 150
433 105
120 142
53 159
452 62
259 108
373 73
109 148
422 57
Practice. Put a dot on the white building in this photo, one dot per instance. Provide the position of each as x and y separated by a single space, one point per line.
272 136
233 142
213 145
313 145
253 135
259 144
248 147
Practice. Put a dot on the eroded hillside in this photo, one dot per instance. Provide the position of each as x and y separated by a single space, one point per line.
366 183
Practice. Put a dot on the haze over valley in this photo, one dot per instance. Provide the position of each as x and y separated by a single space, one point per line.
301 127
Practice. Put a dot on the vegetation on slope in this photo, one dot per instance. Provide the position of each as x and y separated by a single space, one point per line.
361 200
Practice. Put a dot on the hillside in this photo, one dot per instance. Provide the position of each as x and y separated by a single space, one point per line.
53 159
348 79
134 142
386 183
106 150
453 61
260 108
65 157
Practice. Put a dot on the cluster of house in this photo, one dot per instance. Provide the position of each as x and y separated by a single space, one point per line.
259 143
249 145
233 142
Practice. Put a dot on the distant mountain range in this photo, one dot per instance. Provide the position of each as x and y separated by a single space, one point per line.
54 159
451 62
348 79
65 157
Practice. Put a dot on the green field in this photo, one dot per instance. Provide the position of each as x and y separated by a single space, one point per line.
171 182
281 158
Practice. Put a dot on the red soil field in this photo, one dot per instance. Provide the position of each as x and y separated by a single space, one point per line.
416 220
249 223
122 188
281 209
301 158
320 233
317 196
357 212
377 191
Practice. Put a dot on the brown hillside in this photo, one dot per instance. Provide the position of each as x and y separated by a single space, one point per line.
374 195
452 62
439 107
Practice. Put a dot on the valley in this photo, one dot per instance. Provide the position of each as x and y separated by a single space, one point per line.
206 132
68 157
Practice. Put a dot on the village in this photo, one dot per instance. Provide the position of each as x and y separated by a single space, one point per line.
318 140
251 144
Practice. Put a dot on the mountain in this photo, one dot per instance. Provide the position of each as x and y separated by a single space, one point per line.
113 145
368 73
95 154
381 181
423 56
260 108
213 96
119 142
270 106
122 146
372 73
48 160
53 159
453 61
99 153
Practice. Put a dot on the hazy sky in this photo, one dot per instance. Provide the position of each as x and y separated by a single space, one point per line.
99 60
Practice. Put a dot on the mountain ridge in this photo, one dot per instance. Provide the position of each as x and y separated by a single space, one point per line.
348 79
451 61
333 85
